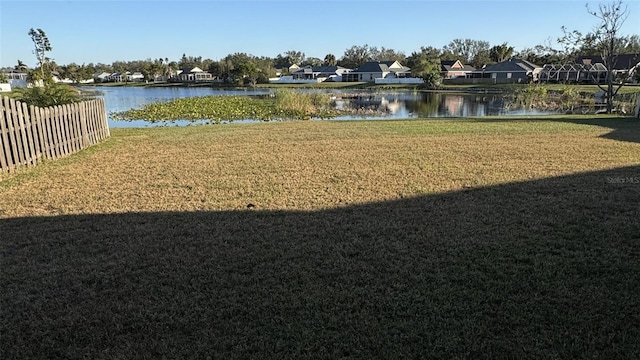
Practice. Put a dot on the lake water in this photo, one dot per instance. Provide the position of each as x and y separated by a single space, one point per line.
366 104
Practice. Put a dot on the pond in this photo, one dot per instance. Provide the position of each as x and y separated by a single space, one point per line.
364 104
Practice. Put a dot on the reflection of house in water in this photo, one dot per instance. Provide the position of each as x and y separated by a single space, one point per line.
454 104
391 107
374 103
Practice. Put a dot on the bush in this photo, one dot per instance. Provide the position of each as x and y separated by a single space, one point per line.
48 95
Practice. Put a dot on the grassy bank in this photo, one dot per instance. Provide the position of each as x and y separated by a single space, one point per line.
494 238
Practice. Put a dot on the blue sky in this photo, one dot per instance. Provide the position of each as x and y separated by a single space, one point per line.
106 31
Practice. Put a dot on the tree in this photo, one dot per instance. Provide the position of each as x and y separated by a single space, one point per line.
49 93
189 62
541 55
466 50
499 53
425 64
606 41
330 60
385 54
356 55
41 47
313 61
21 66
296 57
240 68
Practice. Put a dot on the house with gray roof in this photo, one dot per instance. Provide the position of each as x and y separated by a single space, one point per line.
623 64
573 73
452 69
320 72
509 71
372 70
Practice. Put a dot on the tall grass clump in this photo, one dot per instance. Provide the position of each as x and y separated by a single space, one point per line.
298 105
534 95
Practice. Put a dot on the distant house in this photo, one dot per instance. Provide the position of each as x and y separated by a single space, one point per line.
17 78
622 65
194 74
55 76
125 76
137 75
372 70
451 69
102 76
509 71
573 73
286 68
320 72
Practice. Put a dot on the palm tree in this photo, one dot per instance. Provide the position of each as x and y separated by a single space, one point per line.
330 60
21 66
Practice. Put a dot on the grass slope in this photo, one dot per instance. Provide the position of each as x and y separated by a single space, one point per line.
496 239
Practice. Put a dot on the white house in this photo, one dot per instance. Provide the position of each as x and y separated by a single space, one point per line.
17 79
194 74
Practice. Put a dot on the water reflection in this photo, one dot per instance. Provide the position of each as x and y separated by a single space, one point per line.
362 104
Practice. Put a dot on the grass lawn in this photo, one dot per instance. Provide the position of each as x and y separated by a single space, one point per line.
439 239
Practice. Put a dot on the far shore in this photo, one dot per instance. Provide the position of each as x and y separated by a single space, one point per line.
483 88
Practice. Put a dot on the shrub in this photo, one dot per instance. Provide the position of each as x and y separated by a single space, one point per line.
50 94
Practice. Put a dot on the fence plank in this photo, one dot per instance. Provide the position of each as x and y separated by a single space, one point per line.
46 133
51 133
65 130
13 142
97 132
38 128
98 126
78 124
30 148
6 163
22 135
71 122
59 131
82 108
93 123
105 122
18 142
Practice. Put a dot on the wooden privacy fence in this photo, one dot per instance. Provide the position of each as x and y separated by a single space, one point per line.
29 134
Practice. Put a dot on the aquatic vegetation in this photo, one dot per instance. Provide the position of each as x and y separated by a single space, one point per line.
284 105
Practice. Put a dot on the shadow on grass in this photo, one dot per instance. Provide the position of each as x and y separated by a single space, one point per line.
623 128
541 269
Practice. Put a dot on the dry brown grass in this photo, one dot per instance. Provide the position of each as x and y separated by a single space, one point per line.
387 240
305 165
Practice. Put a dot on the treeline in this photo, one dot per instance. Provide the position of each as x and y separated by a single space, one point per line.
250 69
